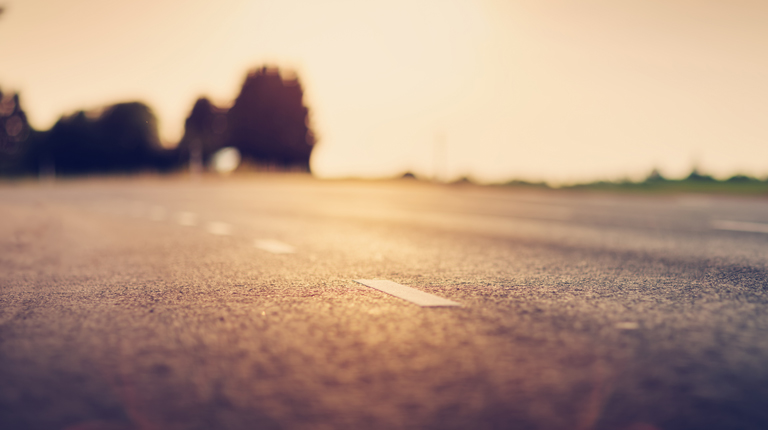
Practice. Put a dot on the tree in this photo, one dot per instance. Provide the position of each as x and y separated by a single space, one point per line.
123 137
204 131
268 122
14 134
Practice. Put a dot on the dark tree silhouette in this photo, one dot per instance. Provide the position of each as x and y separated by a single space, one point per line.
123 138
14 134
204 131
268 122
696 175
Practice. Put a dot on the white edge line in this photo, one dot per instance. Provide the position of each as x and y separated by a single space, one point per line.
752 227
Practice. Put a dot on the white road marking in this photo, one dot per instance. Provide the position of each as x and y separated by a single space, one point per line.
274 246
137 210
752 227
627 325
407 293
157 213
219 228
188 219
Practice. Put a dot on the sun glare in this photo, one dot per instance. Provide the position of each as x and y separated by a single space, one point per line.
549 90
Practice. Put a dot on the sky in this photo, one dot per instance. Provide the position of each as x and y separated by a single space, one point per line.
555 90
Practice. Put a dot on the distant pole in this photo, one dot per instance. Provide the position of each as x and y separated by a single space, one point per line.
439 158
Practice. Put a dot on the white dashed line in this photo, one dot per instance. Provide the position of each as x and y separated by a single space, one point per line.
627 325
137 210
752 227
157 213
219 228
407 293
187 219
274 246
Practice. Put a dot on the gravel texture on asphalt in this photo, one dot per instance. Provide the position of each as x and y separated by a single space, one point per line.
579 310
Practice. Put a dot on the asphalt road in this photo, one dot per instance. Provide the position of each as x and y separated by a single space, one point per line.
231 304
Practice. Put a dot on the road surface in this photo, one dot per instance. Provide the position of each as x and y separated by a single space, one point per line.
233 304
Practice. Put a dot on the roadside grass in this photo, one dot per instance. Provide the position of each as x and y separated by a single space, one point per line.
683 186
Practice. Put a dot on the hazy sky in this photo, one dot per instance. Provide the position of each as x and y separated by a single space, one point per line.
544 89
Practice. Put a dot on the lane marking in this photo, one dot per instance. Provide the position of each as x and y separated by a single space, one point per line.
407 293
752 227
187 219
627 325
137 210
157 213
274 246
219 228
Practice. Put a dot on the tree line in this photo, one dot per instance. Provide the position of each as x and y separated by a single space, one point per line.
268 123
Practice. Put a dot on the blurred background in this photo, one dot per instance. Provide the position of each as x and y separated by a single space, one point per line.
547 90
